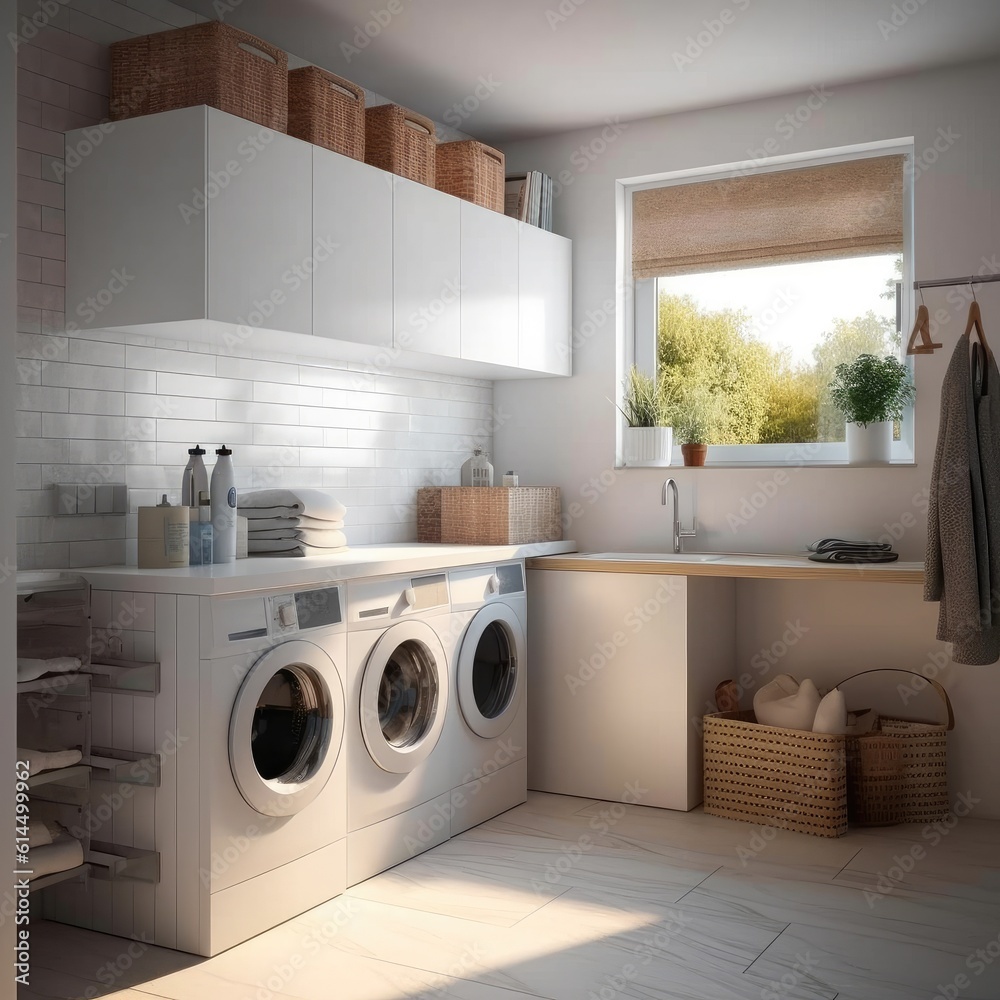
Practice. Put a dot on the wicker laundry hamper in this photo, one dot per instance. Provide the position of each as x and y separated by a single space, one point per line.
401 142
210 63
473 171
327 111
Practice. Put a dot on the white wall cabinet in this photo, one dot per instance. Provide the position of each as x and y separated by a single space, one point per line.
544 301
197 225
489 286
352 210
426 270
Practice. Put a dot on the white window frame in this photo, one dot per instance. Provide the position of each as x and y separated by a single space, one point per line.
636 312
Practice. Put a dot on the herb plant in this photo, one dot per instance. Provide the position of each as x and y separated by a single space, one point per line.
870 390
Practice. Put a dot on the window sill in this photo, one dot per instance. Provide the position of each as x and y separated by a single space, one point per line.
900 464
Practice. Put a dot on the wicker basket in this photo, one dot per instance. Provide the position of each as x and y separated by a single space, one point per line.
777 777
473 171
489 515
921 749
327 111
874 781
401 142
210 63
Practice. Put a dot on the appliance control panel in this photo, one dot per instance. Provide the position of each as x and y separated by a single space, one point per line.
259 616
371 602
471 588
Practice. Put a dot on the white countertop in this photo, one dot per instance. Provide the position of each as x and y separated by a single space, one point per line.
265 573
746 565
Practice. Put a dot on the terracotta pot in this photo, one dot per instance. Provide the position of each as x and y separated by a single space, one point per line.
694 454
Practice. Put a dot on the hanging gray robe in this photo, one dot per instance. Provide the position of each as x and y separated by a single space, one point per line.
962 565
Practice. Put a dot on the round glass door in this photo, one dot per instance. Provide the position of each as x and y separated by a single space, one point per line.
404 696
286 728
490 670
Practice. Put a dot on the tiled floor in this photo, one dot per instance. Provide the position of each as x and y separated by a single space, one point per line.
570 899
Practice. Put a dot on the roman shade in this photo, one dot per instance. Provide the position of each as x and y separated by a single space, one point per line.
846 209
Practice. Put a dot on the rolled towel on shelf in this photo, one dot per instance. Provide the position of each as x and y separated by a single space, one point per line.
62 854
29 669
48 760
291 503
41 833
273 523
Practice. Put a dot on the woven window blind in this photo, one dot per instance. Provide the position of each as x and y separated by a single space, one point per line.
845 209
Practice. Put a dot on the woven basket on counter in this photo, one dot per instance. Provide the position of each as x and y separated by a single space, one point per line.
401 142
209 63
898 773
489 515
776 777
327 111
473 171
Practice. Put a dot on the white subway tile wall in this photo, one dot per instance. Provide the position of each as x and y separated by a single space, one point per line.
93 410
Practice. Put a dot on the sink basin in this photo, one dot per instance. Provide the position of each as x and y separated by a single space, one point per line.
681 557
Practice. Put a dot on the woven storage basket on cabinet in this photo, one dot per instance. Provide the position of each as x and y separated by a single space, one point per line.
921 749
401 142
473 171
489 515
327 111
775 777
210 63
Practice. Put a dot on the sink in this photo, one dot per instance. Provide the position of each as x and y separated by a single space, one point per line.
678 557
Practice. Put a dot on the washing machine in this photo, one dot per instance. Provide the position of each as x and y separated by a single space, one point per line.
399 757
489 612
261 796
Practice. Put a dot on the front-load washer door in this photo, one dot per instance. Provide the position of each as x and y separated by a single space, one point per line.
404 696
287 728
491 670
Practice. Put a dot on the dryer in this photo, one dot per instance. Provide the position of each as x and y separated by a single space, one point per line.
260 823
490 725
398 742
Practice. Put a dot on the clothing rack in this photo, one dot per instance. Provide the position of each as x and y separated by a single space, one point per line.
973 279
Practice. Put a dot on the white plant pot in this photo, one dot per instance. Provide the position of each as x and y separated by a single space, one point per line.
648 445
871 445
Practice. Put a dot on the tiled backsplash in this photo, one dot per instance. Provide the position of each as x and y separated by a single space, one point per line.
92 410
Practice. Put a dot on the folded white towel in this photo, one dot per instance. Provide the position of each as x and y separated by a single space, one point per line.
48 760
29 669
326 541
321 538
40 834
272 523
59 856
291 503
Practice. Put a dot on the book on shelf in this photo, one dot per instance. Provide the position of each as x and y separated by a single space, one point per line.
528 198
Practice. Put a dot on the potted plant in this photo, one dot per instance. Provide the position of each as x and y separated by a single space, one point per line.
696 412
871 393
648 438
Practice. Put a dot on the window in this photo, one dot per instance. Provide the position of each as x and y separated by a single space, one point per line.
752 286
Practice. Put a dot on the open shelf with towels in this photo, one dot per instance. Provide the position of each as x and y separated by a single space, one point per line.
134 677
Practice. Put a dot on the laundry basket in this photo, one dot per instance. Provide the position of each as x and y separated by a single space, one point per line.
327 111
401 142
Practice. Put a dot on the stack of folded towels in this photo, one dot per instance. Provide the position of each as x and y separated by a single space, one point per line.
842 550
293 522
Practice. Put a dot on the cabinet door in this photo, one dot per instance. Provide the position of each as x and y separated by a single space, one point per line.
134 224
544 302
426 270
352 211
260 246
489 286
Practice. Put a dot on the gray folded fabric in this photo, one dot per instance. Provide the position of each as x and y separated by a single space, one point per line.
859 556
847 545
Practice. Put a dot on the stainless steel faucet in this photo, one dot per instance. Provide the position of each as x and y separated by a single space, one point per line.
678 532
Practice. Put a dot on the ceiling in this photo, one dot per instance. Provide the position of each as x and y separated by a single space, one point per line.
518 68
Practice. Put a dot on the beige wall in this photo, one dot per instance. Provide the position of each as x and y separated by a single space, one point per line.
563 431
